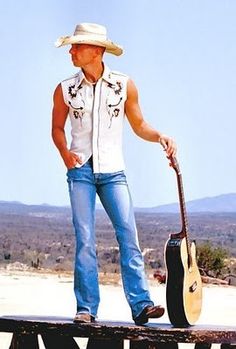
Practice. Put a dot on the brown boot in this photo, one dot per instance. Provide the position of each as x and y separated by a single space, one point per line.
83 318
150 312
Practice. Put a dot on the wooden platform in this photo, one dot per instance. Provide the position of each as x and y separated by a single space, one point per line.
58 333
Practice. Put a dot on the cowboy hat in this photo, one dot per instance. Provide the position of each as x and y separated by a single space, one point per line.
91 34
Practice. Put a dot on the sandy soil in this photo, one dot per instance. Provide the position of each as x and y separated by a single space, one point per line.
35 294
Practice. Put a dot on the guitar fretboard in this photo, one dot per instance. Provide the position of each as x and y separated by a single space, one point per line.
183 212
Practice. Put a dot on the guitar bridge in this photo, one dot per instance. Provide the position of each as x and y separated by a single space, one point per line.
193 287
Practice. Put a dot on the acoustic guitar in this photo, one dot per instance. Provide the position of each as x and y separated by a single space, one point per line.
183 283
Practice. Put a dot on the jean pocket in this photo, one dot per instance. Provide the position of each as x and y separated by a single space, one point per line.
83 173
70 171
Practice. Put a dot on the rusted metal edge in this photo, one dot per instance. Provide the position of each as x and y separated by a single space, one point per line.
161 333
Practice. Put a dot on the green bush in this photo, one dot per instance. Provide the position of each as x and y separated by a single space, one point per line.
212 260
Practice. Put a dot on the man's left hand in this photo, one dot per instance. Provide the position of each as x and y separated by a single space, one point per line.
168 145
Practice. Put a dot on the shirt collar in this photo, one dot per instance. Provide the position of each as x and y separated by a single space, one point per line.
105 76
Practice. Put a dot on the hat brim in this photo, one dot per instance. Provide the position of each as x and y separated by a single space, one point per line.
110 46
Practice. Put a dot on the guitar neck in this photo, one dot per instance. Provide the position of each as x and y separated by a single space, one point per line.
182 205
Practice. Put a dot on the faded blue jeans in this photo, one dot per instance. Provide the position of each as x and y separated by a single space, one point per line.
113 192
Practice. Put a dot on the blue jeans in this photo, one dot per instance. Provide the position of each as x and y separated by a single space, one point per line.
113 192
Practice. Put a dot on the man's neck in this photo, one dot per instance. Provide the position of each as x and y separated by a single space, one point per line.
93 72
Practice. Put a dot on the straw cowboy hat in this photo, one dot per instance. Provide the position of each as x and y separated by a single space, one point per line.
92 34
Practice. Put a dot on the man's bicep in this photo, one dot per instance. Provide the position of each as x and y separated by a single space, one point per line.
60 109
132 108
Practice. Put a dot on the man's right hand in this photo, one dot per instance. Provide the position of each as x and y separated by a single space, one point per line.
70 159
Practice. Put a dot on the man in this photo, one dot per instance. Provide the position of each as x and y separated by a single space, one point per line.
96 100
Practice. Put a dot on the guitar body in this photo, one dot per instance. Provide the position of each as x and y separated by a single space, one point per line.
183 285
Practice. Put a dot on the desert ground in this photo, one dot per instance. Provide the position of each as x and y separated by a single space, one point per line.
52 294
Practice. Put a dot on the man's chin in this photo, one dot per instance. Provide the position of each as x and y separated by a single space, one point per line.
76 64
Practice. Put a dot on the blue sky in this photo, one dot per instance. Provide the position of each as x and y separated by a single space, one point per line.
181 55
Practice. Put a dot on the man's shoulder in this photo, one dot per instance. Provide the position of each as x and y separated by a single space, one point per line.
116 72
71 78
116 76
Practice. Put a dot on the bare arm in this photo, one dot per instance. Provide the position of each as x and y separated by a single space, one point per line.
59 116
140 126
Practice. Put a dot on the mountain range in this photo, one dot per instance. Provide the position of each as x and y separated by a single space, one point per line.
220 203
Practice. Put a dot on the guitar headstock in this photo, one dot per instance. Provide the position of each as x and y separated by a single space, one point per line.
174 163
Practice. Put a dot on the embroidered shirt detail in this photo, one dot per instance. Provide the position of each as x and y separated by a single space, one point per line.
78 111
96 117
113 112
117 87
73 89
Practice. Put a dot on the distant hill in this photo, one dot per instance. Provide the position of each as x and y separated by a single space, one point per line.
18 208
42 236
220 203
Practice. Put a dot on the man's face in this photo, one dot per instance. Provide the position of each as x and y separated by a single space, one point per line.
82 54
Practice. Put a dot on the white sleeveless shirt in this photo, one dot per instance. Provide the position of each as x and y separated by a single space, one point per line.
97 114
